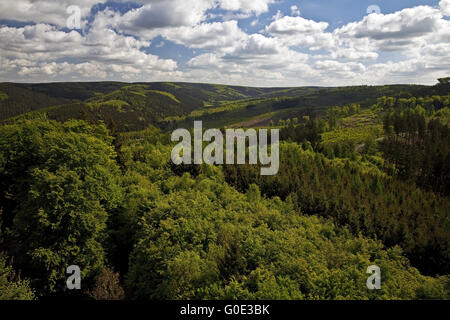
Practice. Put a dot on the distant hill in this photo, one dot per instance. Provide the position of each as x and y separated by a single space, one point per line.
130 107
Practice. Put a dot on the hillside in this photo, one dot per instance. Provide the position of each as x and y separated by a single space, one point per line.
86 178
70 98
129 107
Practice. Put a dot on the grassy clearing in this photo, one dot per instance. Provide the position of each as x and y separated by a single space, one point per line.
355 135
355 129
137 89
3 96
362 118
225 90
172 85
167 94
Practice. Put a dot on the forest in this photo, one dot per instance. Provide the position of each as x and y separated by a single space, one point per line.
86 179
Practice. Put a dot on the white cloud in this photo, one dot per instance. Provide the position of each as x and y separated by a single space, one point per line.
43 11
353 54
396 30
248 6
257 45
259 59
300 32
295 26
115 46
445 7
339 67
411 33
162 14
217 36
42 49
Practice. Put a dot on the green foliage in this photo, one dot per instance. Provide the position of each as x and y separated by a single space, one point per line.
3 96
309 131
168 94
57 179
70 193
362 197
107 286
349 135
444 114
203 240
427 104
354 135
419 151
113 103
131 107
11 287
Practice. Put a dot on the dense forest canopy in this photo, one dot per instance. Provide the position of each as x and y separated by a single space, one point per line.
86 179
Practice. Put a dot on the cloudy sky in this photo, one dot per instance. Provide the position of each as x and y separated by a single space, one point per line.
243 42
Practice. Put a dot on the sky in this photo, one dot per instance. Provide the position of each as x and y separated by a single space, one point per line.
267 43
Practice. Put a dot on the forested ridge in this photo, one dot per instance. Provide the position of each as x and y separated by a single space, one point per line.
133 107
363 180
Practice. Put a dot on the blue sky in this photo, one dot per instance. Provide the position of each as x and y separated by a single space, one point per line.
258 42
336 12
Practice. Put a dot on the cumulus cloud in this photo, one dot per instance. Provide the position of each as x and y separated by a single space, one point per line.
161 14
217 36
396 30
43 11
339 67
353 54
42 49
253 6
116 45
445 7
257 57
301 32
295 26
257 45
